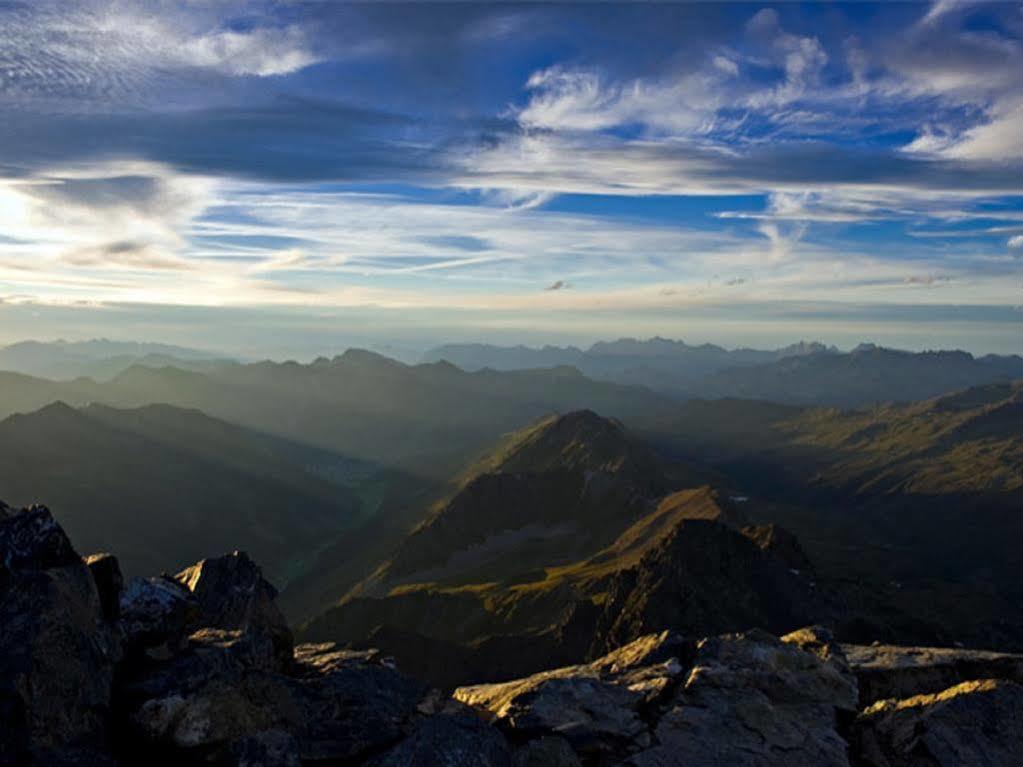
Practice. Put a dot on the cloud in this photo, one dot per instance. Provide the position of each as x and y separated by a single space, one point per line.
781 129
261 52
266 140
603 164
800 58
928 280
115 215
999 139
123 253
726 65
137 143
116 53
580 100
1016 242
940 9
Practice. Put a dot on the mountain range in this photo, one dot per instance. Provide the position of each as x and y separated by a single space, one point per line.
430 418
99 359
162 483
502 495
803 373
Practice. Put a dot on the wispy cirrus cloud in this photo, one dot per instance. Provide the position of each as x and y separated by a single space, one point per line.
118 53
325 154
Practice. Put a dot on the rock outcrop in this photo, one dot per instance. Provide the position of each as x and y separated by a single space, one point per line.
747 699
890 671
57 649
973 724
200 669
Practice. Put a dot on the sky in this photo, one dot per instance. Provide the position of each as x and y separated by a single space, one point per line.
291 178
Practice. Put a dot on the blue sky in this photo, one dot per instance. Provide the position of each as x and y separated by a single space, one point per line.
278 178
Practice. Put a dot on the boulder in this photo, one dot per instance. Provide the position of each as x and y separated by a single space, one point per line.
752 700
821 642
232 594
596 707
890 671
346 705
57 652
156 614
973 724
224 688
454 738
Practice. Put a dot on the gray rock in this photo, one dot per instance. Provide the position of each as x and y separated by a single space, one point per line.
752 700
595 707
449 739
348 704
821 642
973 724
31 539
232 594
57 652
156 611
224 687
889 671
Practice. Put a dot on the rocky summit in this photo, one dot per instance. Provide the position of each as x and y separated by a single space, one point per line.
199 668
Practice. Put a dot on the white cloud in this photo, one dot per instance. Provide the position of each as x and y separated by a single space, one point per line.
581 100
999 139
1016 242
726 65
261 52
119 53
801 58
109 215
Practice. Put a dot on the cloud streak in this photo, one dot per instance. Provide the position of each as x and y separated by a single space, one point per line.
332 155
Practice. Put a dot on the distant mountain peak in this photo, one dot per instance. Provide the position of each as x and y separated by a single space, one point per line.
58 409
366 357
580 440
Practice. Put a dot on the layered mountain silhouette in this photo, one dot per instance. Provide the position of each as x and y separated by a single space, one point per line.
161 484
99 359
363 478
803 374
430 418
658 363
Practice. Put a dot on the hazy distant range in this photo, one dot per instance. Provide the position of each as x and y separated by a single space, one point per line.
805 373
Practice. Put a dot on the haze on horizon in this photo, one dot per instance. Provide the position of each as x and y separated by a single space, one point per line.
275 179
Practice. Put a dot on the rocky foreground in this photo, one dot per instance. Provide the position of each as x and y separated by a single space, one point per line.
200 668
